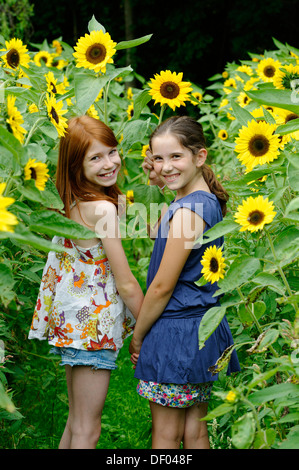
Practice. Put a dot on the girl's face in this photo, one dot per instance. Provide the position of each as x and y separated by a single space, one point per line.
177 165
101 164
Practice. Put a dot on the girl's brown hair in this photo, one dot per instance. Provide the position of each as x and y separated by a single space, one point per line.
70 180
190 135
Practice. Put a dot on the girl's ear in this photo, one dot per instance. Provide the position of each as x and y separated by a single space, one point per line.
201 157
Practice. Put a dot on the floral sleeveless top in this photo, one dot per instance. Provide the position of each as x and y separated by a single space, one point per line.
78 304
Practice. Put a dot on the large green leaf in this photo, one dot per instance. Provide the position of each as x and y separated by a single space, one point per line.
241 114
132 42
53 223
88 85
243 431
273 97
239 272
220 229
211 319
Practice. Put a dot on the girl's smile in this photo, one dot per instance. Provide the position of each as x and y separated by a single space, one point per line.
101 164
177 166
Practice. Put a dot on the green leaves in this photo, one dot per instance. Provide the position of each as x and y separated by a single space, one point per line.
240 271
273 97
52 223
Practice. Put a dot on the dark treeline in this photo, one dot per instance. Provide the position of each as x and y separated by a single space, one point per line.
190 36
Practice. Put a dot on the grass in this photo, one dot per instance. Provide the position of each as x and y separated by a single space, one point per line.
41 398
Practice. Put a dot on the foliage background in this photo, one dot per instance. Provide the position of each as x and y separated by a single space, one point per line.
264 411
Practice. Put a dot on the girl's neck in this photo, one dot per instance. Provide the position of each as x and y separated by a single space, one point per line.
198 185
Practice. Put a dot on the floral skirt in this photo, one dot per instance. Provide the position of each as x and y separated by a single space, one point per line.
175 395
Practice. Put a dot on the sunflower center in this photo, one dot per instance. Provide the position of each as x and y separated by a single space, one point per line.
290 117
53 87
54 115
96 53
214 266
169 90
13 58
258 145
256 217
33 173
269 71
44 59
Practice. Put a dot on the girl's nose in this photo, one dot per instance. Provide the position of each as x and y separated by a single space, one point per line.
167 166
108 163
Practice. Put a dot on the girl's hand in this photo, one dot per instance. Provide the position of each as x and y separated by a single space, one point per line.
134 359
135 346
148 168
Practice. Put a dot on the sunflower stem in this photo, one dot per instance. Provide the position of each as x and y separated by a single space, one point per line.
32 130
251 313
284 279
105 92
161 113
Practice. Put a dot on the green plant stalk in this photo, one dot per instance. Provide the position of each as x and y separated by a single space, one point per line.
161 113
284 279
105 92
32 130
255 320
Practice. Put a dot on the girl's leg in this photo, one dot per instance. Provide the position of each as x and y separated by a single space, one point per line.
65 441
87 394
196 431
167 426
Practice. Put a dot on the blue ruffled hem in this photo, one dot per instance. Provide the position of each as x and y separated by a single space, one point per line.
170 353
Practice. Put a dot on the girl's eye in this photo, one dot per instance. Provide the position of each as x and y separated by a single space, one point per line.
175 156
112 152
95 157
157 159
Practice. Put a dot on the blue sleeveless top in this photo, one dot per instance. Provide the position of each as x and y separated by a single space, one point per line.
169 352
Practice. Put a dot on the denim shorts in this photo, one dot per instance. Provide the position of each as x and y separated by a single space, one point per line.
97 359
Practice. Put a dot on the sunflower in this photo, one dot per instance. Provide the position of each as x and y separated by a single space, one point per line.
257 144
267 69
130 111
15 119
168 88
283 116
55 113
222 134
243 99
94 51
7 220
254 213
16 54
130 196
198 96
245 69
37 171
285 76
43 58
230 83
213 264
92 112
57 46
52 85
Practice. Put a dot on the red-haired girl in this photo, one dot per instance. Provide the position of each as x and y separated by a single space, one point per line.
88 299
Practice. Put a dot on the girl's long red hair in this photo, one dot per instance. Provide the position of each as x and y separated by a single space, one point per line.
70 180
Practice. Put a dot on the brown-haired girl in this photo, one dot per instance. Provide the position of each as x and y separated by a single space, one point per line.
173 373
88 299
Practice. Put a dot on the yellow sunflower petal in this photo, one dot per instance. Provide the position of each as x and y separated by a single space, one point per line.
254 213
213 264
168 88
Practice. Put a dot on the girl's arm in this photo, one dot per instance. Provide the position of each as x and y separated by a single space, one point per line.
185 228
107 228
